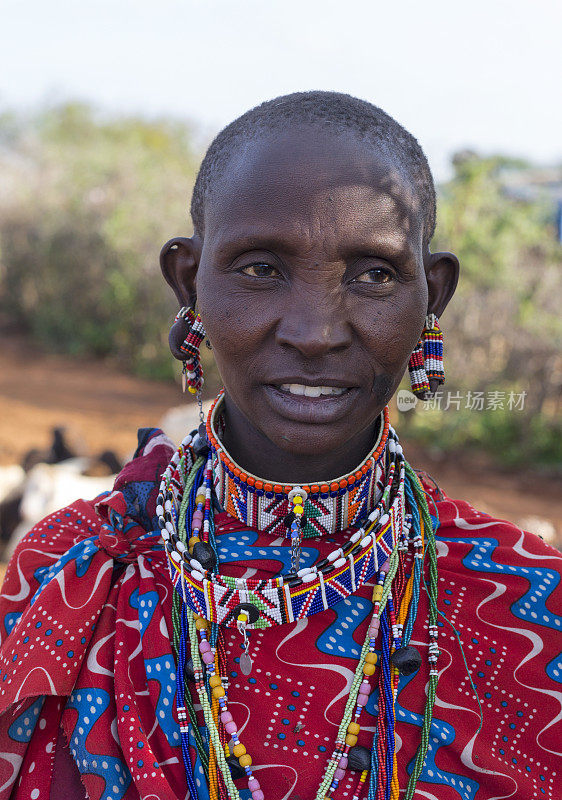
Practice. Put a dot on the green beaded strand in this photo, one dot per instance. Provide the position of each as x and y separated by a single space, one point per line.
208 713
357 679
432 592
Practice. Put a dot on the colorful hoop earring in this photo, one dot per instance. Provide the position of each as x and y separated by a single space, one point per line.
192 371
426 362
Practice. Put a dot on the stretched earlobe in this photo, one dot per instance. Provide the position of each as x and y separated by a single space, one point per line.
179 262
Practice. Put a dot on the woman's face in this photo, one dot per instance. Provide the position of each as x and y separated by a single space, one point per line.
312 287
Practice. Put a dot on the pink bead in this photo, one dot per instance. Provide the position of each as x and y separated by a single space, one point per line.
230 727
208 658
253 784
386 566
339 774
226 716
204 646
197 519
342 763
365 687
362 699
258 795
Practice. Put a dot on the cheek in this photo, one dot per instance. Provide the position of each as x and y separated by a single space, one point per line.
232 330
391 336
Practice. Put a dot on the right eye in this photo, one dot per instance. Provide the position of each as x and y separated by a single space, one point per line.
260 270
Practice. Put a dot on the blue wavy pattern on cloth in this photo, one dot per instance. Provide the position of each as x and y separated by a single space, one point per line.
90 705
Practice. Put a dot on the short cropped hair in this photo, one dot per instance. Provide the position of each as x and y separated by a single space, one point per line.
333 110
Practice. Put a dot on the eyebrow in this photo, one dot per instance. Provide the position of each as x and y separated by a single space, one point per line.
267 240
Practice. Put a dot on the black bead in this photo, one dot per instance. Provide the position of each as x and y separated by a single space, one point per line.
200 446
359 758
188 671
288 519
202 430
235 769
249 609
407 660
204 554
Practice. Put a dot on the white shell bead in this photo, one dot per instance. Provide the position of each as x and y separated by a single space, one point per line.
304 571
340 562
196 565
176 557
160 511
310 577
335 554
181 547
196 575
384 519
356 536
367 540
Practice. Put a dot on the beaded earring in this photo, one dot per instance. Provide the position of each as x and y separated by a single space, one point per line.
192 371
426 362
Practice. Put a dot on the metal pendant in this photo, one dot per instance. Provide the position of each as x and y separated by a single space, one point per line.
246 664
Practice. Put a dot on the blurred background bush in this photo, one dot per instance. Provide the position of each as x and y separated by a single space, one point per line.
87 199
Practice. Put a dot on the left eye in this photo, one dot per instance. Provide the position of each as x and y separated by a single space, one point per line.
376 275
260 271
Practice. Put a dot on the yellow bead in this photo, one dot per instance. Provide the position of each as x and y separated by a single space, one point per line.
242 617
191 390
297 500
200 499
218 691
239 750
201 624
351 739
245 760
192 542
353 728
371 658
377 593
368 669
298 511
215 680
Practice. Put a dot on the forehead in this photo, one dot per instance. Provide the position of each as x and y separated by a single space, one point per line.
308 178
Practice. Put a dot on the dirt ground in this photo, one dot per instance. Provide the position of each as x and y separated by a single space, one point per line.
102 408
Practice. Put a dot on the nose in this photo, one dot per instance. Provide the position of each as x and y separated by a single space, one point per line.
314 325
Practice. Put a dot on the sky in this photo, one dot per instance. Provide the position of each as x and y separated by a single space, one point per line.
484 74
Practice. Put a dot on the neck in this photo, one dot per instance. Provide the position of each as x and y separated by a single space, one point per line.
257 454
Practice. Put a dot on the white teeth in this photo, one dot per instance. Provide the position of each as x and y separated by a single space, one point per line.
311 391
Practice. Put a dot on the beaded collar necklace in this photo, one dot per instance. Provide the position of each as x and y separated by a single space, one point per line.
329 507
302 592
186 519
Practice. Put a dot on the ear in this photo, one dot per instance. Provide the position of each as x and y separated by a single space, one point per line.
442 272
179 260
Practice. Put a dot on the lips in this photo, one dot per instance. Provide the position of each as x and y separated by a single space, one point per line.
322 403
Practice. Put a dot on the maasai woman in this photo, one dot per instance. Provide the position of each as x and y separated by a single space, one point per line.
280 608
